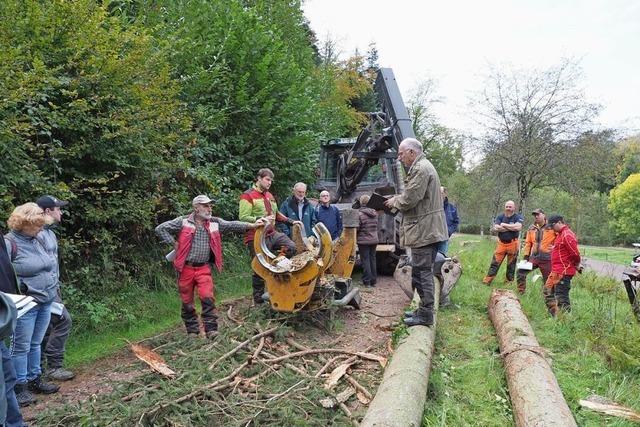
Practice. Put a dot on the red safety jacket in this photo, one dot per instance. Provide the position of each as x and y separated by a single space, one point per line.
186 237
565 256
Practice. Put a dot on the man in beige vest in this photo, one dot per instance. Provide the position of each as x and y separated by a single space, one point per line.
424 224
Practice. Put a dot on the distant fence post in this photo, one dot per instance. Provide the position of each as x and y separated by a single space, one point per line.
481 231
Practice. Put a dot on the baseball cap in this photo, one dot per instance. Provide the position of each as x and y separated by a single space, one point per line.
202 200
49 202
537 211
553 219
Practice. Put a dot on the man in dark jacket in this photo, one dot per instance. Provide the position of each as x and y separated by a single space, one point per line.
298 208
451 214
367 240
329 215
12 416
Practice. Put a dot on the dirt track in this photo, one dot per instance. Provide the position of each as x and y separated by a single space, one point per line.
354 330
604 268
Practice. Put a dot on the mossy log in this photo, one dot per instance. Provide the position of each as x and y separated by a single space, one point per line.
402 394
535 395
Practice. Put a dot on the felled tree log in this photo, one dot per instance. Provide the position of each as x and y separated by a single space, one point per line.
535 394
402 393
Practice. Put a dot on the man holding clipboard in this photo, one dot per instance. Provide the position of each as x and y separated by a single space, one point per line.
423 227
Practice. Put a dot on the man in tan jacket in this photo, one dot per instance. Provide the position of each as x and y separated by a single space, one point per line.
424 224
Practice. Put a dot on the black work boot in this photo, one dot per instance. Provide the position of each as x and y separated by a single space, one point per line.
60 374
410 313
39 385
422 319
23 395
209 318
190 319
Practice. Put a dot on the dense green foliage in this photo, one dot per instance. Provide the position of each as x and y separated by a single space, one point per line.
130 108
624 205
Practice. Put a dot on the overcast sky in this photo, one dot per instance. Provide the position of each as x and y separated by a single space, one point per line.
454 41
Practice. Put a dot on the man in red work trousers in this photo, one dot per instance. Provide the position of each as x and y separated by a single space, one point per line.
198 244
565 262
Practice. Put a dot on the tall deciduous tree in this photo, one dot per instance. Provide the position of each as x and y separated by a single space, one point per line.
624 205
529 119
442 145
629 152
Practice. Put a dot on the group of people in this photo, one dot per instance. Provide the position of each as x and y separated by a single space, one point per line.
550 246
29 266
196 238
427 223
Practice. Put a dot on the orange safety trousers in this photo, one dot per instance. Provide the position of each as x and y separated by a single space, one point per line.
508 250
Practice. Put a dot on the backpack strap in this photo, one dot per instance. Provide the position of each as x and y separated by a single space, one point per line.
14 248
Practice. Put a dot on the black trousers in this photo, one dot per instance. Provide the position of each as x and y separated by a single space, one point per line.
368 259
55 339
422 260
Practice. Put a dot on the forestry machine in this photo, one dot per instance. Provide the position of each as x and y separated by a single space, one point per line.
318 276
350 167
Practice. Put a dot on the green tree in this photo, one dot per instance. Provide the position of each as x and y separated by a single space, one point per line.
624 205
442 145
629 151
254 93
593 160
89 112
530 119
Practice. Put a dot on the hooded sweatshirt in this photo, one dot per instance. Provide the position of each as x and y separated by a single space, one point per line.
368 229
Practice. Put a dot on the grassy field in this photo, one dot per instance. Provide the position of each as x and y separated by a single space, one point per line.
615 255
595 349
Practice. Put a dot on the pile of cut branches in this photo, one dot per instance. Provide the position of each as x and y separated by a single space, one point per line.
257 372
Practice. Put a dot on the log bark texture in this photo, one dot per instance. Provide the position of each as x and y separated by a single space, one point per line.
402 393
536 397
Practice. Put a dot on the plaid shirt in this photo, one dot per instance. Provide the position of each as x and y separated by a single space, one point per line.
200 250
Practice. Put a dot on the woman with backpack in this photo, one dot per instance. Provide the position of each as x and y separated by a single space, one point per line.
36 272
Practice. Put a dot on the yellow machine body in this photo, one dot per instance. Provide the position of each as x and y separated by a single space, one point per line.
290 289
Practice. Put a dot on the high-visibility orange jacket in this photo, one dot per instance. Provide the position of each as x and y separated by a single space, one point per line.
539 242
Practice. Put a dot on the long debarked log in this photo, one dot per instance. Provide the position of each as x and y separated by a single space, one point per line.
535 394
402 393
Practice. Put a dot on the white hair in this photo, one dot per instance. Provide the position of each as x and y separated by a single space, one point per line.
412 144
325 191
300 185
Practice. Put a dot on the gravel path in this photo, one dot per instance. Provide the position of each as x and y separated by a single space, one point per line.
604 268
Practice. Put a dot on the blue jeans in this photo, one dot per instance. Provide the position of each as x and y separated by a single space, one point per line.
14 418
27 338
443 247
